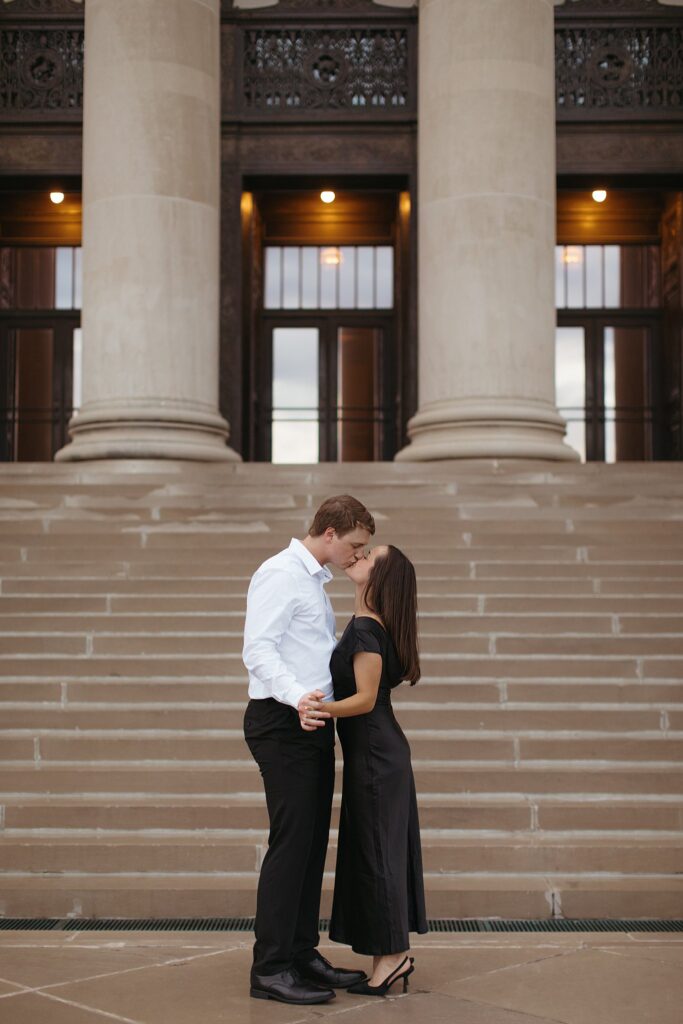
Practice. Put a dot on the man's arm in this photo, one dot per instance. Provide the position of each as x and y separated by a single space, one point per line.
271 604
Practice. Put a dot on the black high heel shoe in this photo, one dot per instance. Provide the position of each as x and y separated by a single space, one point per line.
362 988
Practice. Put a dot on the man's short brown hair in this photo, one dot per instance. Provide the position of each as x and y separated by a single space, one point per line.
343 513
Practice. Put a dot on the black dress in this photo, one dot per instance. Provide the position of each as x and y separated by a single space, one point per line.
378 889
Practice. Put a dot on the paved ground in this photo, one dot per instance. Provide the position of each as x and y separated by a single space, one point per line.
201 978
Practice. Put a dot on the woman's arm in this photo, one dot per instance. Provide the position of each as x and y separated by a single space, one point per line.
367 668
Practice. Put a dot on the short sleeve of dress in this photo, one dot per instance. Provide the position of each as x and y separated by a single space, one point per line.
365 640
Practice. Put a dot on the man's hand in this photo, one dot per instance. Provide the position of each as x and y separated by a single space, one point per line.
311 710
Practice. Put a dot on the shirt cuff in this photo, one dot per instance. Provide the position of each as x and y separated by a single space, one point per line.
293 694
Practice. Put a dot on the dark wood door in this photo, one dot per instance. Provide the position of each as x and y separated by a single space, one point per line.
36 384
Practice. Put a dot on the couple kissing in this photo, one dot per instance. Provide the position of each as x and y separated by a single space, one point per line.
301 679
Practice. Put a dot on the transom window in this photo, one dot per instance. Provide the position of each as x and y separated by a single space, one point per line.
606 276
329 277
42 277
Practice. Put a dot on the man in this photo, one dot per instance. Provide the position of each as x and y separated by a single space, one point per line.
289 636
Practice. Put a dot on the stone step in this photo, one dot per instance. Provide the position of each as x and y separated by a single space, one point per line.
243 851
442 648
463 665
478 894
546 731
231 624
193 721
590 781
50 666
433 629
219 746
157 592
463 523
515 812
195 693
646 610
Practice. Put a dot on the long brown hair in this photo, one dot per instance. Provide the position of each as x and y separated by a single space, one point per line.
391 593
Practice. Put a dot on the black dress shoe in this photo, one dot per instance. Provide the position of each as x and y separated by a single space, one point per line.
288 987
321 971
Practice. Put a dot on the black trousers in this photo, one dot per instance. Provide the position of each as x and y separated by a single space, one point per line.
298 776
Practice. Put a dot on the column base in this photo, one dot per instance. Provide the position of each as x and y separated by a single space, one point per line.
113 431
487 428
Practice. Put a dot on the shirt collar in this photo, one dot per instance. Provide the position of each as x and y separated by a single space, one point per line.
309 560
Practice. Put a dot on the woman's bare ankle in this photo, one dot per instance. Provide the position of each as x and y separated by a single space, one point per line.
386 965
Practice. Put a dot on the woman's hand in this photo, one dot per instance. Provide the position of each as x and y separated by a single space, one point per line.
311 710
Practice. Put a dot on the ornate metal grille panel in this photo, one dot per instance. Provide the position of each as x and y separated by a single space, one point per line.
342 70
44 8
629 68
41 73
589 7
619 72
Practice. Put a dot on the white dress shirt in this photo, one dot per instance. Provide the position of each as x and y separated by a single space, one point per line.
289 633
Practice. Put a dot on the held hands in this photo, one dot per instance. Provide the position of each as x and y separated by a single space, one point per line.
312 711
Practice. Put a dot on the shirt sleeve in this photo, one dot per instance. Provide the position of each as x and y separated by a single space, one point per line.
365 640
271 604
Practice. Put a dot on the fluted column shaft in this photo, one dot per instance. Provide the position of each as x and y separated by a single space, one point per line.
486 232
151 184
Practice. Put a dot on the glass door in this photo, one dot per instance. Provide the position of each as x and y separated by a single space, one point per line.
570 383
295 382
609 385
324 387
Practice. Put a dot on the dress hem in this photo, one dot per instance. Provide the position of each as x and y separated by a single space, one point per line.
364 951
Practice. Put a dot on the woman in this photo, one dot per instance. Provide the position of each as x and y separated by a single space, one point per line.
379 890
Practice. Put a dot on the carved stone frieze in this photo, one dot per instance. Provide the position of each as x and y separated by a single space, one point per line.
41 72
370 152
615 149
358 70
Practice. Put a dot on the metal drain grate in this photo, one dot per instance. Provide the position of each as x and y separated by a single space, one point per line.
179 924
30 924
246 924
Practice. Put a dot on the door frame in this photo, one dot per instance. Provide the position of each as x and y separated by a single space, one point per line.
62 322
328 323
594 322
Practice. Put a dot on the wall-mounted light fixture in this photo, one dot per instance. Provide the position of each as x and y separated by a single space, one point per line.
57 197
327 195
599 195
331 257
572 254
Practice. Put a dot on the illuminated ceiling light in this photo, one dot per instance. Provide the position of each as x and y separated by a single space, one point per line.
331 257
327 196
57 197
599 195
572 254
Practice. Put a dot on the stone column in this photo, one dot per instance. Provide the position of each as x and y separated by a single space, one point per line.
151 189
486 233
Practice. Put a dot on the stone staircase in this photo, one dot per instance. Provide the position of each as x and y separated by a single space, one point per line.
547 730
